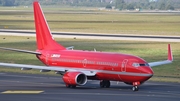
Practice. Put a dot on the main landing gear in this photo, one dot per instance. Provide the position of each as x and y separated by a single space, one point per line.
70 86
105 83
135 86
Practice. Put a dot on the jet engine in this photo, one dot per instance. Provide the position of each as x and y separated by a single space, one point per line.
74 78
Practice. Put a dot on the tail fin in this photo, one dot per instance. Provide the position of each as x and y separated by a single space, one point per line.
44 38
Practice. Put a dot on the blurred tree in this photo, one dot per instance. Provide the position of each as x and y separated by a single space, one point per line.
162 6
169 7
8 2
120 4
108 6
131 6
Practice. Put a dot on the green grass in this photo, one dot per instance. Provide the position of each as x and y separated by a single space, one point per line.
95 21
150 51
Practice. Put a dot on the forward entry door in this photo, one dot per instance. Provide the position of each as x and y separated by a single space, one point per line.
124 64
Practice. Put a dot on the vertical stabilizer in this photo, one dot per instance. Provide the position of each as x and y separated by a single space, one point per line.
44 38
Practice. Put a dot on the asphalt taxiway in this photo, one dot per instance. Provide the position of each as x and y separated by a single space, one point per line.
30 87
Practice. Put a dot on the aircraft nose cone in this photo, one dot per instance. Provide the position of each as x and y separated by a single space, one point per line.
147 70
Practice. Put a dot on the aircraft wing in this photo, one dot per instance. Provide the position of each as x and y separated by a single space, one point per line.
31 52
152 64
54 68
19 50
87 72
169 60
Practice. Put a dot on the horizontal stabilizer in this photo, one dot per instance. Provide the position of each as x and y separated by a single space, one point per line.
70 48
23 51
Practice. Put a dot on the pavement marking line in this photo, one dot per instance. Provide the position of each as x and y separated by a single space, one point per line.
22 92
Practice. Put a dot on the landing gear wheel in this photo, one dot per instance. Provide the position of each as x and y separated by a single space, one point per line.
102 84
73 86
70 86
105 83
135 88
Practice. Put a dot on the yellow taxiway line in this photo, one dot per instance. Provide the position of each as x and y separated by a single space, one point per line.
22 92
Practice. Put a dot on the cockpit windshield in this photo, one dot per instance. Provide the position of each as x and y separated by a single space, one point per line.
139 64
145 64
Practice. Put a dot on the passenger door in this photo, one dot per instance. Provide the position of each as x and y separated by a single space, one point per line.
123 65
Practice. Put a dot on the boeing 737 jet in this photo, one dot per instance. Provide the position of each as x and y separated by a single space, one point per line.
77 66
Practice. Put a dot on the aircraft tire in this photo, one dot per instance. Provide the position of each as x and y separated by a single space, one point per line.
135 88
105 83
70 86
102 85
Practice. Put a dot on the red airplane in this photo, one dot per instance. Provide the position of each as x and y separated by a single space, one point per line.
77 66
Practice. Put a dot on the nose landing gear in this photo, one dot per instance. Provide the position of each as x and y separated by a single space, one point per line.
135 86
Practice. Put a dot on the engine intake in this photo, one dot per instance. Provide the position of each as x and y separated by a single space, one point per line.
75 78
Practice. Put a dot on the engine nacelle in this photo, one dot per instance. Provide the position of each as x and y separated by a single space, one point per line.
75 78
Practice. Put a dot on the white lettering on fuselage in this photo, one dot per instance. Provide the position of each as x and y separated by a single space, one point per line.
55 55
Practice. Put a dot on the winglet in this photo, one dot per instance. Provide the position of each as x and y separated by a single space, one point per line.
169 60
170 55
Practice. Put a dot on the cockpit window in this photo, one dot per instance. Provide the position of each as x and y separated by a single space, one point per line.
139 64
146 64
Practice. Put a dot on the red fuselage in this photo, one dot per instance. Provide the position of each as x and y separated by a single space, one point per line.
109 66
77 66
